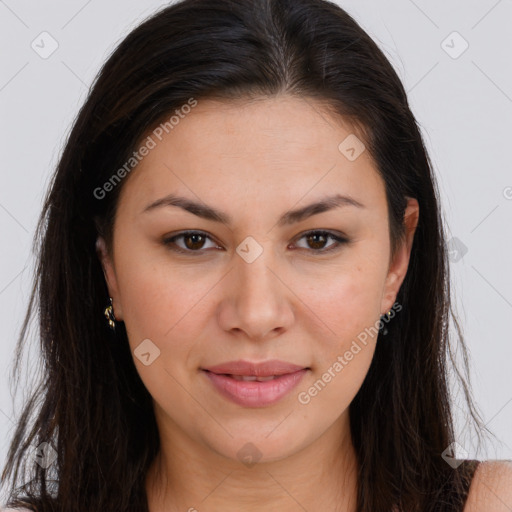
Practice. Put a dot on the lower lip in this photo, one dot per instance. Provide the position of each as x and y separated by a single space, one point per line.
254 393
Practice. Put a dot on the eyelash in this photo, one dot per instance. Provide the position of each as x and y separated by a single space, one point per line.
339 242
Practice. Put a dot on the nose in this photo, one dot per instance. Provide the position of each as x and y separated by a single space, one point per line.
257 301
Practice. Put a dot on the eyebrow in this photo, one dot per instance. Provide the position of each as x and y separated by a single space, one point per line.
290 217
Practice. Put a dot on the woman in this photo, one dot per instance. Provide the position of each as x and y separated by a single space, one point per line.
243 286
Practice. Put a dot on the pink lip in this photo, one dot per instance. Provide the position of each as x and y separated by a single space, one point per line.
254 393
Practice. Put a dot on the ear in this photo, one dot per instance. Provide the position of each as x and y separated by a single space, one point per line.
398 267
110 276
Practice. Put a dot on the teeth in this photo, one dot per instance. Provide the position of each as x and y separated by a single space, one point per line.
248 378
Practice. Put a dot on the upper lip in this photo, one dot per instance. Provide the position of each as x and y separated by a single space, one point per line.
261 369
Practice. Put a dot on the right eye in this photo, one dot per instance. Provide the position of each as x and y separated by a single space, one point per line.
193 240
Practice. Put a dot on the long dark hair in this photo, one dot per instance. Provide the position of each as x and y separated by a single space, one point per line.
90 406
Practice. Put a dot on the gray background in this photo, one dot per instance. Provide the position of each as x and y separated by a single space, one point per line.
462 100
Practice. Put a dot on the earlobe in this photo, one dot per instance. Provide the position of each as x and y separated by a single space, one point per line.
398 267
110 276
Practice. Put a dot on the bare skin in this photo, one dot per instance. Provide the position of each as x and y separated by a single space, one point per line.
254 161
491 489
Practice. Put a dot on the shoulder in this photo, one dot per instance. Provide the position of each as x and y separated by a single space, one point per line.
491 488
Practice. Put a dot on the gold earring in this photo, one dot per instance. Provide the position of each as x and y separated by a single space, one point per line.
388 318
109 315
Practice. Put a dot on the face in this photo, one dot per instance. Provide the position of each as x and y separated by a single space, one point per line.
259 284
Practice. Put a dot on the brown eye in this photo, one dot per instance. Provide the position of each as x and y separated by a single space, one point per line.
193 241
316 241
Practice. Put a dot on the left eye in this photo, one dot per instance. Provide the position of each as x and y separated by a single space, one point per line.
320 237
194 241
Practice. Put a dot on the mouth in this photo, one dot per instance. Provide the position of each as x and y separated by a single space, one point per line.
255 390
270 368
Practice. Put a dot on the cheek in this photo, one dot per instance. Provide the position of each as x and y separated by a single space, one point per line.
345 301
164 306
161 304
343 311
155 291
344 343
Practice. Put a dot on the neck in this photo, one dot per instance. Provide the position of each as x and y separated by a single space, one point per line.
188 476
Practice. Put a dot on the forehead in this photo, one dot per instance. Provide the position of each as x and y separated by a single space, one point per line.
277 149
